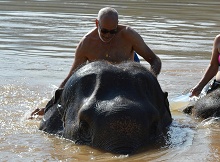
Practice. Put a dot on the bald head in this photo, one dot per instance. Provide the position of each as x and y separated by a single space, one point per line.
107 12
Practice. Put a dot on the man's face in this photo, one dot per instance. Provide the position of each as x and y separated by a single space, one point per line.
107 28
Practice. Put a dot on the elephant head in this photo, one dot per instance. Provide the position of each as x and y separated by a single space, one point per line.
205 107
118 108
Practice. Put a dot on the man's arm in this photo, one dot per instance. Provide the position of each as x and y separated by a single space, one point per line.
155 65
79 59
143 50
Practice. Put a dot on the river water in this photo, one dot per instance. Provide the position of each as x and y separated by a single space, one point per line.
37 43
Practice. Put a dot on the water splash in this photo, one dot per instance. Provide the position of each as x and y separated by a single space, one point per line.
213 122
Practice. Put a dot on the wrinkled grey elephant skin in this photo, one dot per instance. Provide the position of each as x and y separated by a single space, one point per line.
116 108
205 107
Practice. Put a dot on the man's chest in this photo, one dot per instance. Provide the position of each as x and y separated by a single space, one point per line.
112 51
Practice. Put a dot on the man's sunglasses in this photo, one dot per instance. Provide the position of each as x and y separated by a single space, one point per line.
105 31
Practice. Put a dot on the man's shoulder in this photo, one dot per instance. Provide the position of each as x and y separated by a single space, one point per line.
88 41
90 35
128 32
124 28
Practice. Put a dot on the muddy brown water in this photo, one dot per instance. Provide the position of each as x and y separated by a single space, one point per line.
37 44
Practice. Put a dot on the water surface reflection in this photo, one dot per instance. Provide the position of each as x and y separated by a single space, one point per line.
38 41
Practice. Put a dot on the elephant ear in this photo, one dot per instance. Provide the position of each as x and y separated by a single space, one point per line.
166 101
52 120
166 117
54 100
188 109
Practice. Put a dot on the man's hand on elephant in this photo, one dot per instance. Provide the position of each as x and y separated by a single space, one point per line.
38 111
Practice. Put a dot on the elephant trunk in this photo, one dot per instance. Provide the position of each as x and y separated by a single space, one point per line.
123 132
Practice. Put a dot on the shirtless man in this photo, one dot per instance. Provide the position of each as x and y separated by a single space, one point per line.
111 42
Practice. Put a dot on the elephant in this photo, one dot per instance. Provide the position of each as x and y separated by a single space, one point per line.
205 107
118 108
